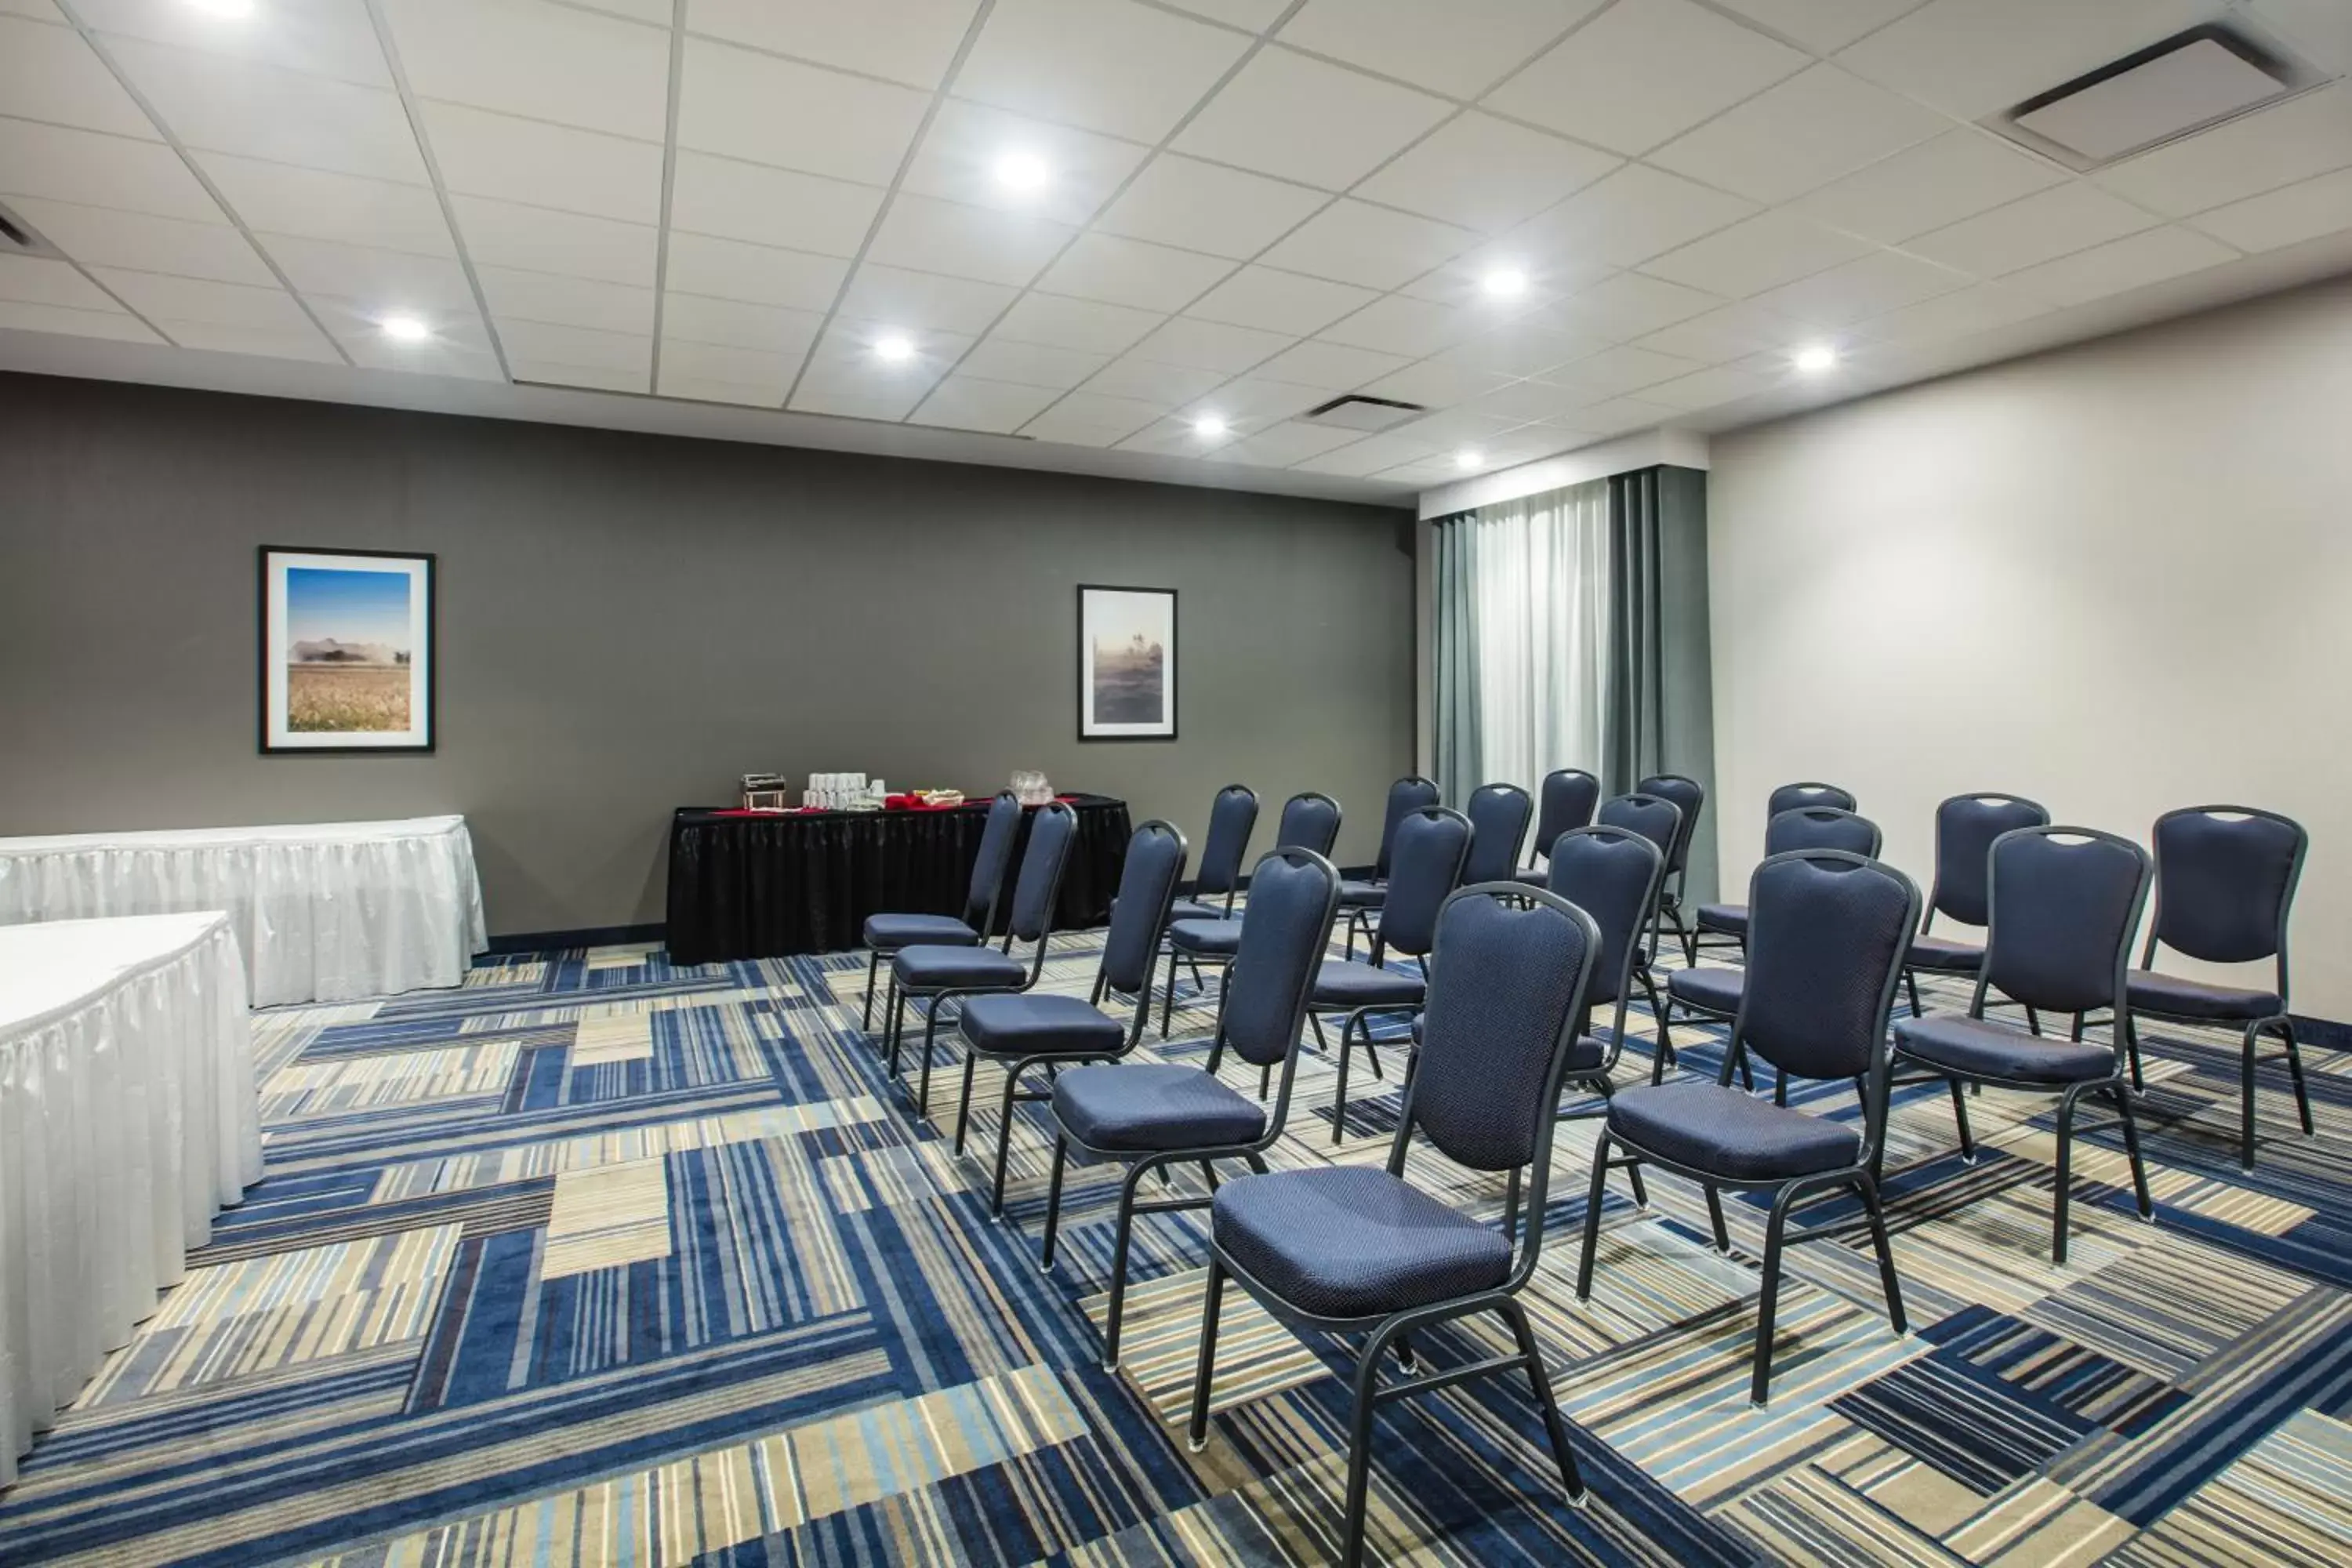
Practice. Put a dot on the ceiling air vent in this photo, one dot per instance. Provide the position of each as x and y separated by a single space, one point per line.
2176 88
18 237
1357 412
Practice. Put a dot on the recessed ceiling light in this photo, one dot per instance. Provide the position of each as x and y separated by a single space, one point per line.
1816 358
1021 172
1505 283
893 350
237 10
1469 458
1208 425
405 328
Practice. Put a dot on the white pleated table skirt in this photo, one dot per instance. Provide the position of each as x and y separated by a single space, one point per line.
128 1116
324 911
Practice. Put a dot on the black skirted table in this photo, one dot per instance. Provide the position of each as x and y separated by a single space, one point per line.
764 885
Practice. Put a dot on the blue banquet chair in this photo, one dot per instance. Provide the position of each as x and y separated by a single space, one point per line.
1966 826
1728 923
1690 796
885 934
1310 821
1232 818
1357 899
1564 803
1498 814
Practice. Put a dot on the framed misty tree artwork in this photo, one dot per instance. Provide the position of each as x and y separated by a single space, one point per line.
1127 663
346 650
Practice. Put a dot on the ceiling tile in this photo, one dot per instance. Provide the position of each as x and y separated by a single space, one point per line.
456 333
1619 370
1643 71
1301 118
1105 65
959 155
153 294
530 57
1616 415
1368 456
846 376
100 171
1086 325
315 205
486 155
1521 350
2320 28
1132 272
2068 217
1730 332
735 200
538 240
1459 50
221 105
770 110
1549 276
1509 405
1163 386
108 237
1091 419
1955 176
43 280
695 318
970 402
18 316
566 302
1254 401
1174 437
754 274
1332 367
324 38
968 242
1279 446
2121 265
1822 26
2286 216
595 378
1625 217
1487 173
577 346
1798 135
2255 153
1279 301
1971 57
1255 15
1212 345
1964 312
49 73
906 40
1628 305
658 12
891 404
1031 364
1200 207
1439 382
1457 427
390 281
1773 248
39 10
1356 242
924 299
673 383
1707 388
1867 286
1401 325
309 344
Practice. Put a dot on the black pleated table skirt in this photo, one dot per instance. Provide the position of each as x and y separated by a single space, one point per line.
763 886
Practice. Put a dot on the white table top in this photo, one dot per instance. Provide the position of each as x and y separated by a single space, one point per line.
52 968
212 837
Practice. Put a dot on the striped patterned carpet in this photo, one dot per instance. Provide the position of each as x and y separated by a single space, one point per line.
601 1260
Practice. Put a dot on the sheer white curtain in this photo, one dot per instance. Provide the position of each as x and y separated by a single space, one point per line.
1541 585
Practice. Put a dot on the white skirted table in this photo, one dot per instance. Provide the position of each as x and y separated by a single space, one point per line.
128 1116
324 911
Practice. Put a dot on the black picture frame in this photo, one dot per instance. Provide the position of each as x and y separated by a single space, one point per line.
273 729
1091 727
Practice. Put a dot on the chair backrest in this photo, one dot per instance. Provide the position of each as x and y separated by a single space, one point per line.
1146 887
2225 881
1689 796
1294 894
1431 845
1611 874
995 858
1310 820
1827 932
1564 803
1506 994
1040 885
1232 820
1966 825
1407 795
2064 904
1499 817
1822 828
1654 816
1790 796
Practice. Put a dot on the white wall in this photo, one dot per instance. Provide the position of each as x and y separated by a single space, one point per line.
2117 578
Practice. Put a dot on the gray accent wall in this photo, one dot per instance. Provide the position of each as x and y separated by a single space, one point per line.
626 623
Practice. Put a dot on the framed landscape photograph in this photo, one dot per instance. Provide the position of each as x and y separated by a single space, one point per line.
346 650
1127 663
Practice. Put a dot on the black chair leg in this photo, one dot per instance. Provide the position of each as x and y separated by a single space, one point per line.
1780 1087
930 1037
1539 1382
1592 1216
1339 1095
1911 981
2033 1019
1118 1264
2131 1150
1316 1023
2294 1076
1714 1214
1168 999
2131 1052
896 1026
1003 1139
1359 1453
2066 1177
1197 1433
1960 1115
1511 1207
963 1106
1768 1300
1054 1200
1894 1318
865 1014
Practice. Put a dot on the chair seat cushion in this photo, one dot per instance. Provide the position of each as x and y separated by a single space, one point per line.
1195 910
1363 895
1147 1107
1344 1241
1713 989
956 968
1035 1024
1534 877
1729 920
2150 991
1216 939
1362 985
1712 1128
1975 1049
887 933
1584 1054
1942 952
